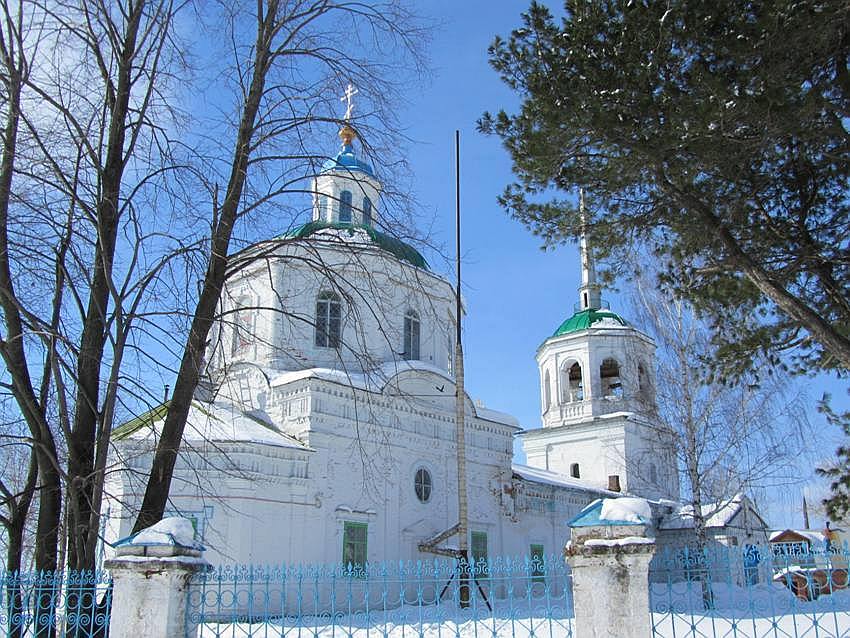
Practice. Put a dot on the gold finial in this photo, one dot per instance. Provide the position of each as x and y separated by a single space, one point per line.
347 134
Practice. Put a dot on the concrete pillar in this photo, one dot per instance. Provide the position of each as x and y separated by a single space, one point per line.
611 545
611 590
150 581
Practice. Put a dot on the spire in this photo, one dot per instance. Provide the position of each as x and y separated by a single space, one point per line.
589 293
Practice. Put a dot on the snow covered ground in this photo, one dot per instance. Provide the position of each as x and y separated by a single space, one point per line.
762 611
442 621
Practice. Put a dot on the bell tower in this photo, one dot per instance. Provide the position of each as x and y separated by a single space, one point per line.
599 417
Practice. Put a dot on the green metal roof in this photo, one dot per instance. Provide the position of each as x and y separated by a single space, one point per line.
585 319
146 418
385 242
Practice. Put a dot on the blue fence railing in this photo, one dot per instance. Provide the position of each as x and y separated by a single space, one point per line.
520 597
72 604
750 592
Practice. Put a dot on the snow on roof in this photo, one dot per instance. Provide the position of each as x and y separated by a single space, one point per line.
627 509
715 514
173 531
217 422
377 379
811 535
537 475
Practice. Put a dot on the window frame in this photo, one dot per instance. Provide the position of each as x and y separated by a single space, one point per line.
346 200
367 211
475 554
356 546
243 325
412 328
537 557
328 332
429 486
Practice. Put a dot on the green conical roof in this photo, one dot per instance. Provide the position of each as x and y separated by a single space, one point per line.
585 319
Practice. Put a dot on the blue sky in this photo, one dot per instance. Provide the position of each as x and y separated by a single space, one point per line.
516 294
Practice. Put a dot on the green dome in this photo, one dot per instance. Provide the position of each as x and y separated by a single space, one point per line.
585 319
394 246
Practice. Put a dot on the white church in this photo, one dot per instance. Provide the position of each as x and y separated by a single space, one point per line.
326 429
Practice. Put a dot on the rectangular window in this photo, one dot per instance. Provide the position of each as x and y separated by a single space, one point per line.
411 336
243 327
538 571
345 206
354 545
478 551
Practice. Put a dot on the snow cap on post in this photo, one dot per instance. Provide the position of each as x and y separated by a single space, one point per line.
172 536
610 522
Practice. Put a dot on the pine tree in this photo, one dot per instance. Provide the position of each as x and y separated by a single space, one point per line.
712 133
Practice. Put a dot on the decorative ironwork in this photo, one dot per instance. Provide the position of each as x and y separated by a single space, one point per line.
73 604
518 597
754 591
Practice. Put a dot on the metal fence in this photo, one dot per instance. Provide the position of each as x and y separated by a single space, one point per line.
521 597
73 604
750 592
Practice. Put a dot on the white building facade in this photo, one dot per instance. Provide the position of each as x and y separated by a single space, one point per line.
325 431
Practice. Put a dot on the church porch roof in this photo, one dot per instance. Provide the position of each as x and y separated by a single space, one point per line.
214 422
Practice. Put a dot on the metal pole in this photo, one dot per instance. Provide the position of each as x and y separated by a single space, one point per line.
460 407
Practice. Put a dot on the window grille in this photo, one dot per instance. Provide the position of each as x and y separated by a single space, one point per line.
328 321
354 539
411 336
422 485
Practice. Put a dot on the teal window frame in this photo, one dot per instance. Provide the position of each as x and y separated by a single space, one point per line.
478 552
538 564
355 545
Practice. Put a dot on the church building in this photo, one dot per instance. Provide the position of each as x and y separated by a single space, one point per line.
325 430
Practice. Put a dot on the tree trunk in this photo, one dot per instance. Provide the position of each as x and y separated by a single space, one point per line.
165 457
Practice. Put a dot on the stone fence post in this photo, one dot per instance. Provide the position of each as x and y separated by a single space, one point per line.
610 571
150 576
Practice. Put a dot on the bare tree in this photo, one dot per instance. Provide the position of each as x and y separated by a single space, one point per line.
287 35
103 226
729 438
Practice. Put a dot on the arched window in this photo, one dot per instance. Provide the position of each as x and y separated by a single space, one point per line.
644 386
411 335
612 387
345 206
367 211
328 320
572 384
653 474
574 471
547 392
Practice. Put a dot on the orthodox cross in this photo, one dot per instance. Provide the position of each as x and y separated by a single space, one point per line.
350 92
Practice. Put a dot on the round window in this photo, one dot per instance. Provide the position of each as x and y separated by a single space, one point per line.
422 485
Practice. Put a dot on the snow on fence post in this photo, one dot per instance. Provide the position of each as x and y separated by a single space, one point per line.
611 545
150 575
